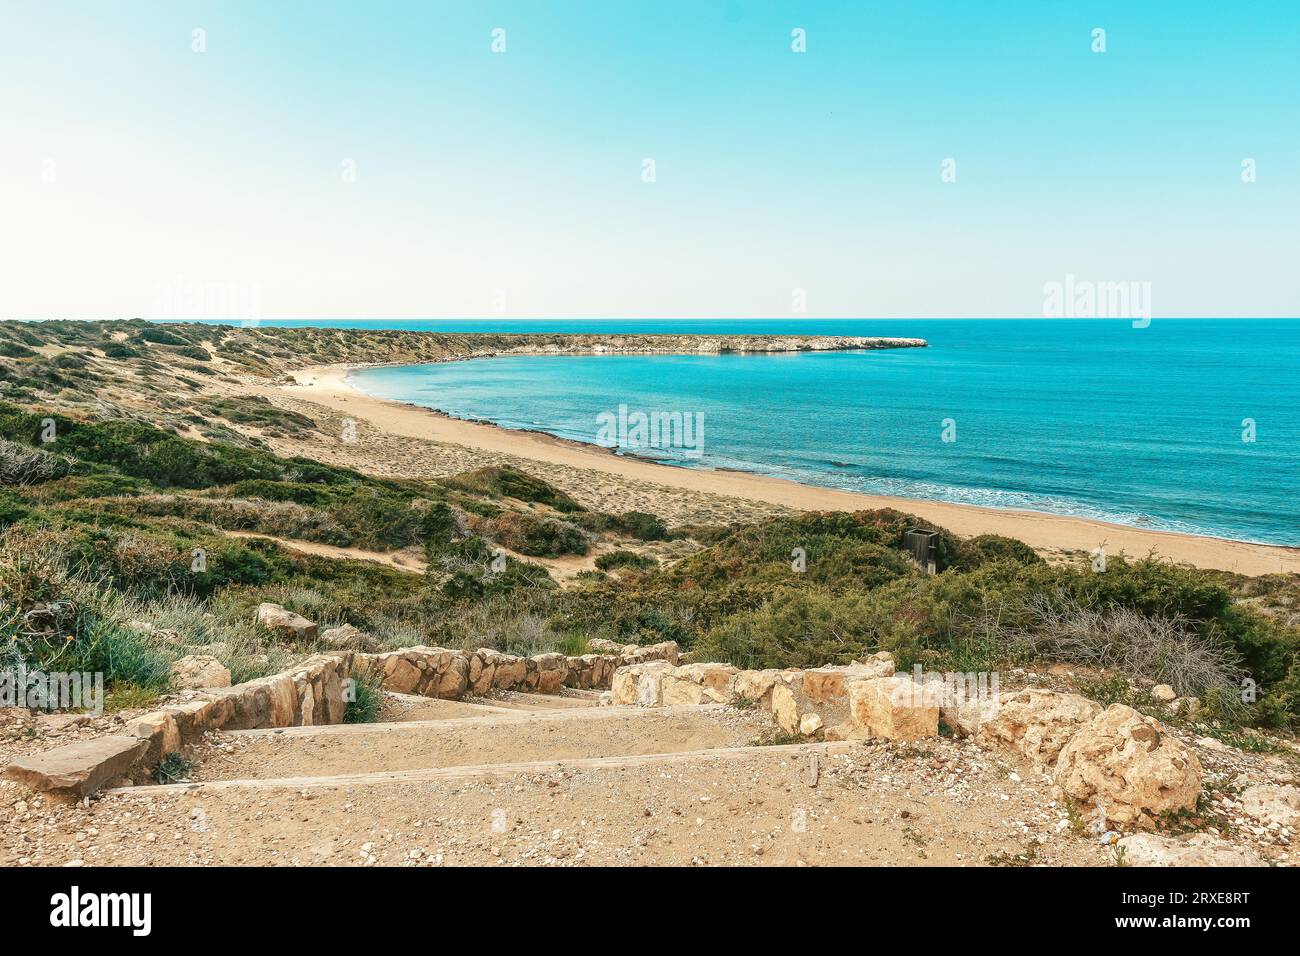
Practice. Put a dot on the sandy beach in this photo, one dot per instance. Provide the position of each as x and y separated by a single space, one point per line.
328 386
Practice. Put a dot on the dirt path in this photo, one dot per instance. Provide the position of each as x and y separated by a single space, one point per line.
520 738
563 570
564 785
531 779
407 560
871 805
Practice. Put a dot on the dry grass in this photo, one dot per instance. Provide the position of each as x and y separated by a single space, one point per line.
1165 650
25 465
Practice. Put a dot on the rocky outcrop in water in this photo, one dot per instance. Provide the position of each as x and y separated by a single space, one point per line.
709 344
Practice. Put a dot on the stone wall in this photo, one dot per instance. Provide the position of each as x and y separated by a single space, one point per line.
314 692
450 675
861 700
1123 768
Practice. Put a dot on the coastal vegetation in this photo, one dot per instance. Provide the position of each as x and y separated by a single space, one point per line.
100 528
141 521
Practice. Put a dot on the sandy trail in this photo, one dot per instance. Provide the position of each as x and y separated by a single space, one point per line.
563 569
946 804
328 386
495 739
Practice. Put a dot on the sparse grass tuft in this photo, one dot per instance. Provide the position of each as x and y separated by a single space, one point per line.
367 700
129 696
173 769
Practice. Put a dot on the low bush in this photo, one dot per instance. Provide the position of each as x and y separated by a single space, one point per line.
537 536
503 481
367 697
625 559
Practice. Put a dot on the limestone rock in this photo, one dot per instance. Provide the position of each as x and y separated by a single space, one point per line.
80 768
1164 693
663 651
199 716
198 671
307 704
880 664
966 718
649 683
54 724
283 697
809 724
510 672
453 676
347 637
552 671
893 708
699 684
1201 849
755 686
824 684
785 707
286 623
640 684
162 732
1268 804
330 698
1037 723
1123 763
401 675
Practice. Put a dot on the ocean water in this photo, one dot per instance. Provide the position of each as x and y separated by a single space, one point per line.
1141 426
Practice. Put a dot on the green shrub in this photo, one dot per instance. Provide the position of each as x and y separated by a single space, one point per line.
972 553
797 628
173 768
537 536
279 491
258 411
503 481
380 520
160 336
477 583
634 524
625 559
119 350
367 697
439 529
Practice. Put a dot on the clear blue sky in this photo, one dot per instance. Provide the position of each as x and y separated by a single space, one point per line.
132 167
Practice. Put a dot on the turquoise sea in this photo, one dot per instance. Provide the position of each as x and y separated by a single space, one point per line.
1142 426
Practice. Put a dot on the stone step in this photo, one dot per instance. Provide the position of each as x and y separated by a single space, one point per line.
782 752
410 707
488 717
496 739
79 768
521 700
